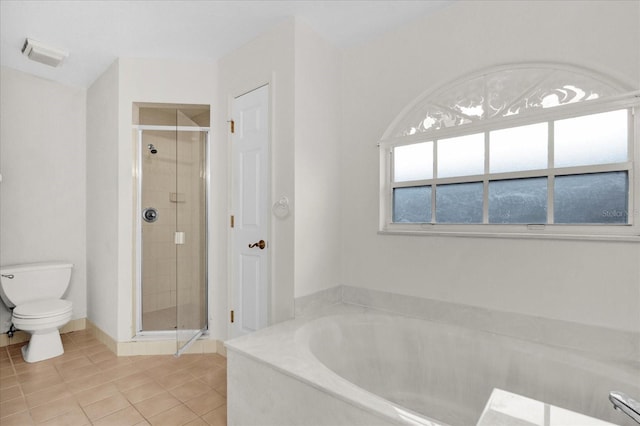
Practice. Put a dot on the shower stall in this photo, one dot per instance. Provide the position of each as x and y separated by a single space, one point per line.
171 209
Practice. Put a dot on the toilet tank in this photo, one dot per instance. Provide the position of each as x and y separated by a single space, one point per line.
30 282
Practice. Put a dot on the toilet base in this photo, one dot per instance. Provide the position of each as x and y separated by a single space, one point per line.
43 346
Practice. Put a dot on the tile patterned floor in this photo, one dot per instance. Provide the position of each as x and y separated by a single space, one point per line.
89 385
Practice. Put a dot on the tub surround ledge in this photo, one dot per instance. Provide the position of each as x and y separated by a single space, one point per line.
346 364
617 344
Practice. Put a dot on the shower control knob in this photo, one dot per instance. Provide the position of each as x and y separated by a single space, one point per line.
150 214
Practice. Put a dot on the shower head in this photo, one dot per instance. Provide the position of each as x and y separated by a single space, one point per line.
152 149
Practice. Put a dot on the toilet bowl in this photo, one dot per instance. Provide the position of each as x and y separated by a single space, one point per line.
42 320
34 293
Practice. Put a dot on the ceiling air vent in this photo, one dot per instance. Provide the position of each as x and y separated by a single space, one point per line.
39 52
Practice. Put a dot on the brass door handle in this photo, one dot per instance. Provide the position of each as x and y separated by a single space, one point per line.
260 244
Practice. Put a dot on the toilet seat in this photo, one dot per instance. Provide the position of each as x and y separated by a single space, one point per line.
42 318
41 323
43 309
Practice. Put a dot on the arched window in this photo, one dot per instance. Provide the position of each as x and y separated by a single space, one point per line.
520 150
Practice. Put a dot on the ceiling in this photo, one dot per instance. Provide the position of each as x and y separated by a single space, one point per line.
95 33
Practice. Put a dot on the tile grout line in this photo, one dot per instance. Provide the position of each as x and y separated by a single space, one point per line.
91 357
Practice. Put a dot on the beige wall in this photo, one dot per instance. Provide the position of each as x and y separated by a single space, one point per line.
268 59
328 112
318 174
128 81
594 283
102 201
304 74
157 81
43 188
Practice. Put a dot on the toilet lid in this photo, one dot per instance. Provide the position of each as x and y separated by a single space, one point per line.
43 308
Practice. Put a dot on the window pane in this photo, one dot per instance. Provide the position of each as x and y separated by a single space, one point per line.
518 148
592 139
591 198
412 205
461 156
518 201
413 162
459 203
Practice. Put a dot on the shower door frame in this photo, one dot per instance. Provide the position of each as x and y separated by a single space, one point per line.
139 332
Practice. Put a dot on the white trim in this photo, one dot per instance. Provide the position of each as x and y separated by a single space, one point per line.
606 232
171 128
626 100
551 180
138 223
516 235
208 232
617 96
561 171
434 91
231 208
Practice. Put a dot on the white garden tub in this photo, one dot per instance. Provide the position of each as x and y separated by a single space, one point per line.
367 368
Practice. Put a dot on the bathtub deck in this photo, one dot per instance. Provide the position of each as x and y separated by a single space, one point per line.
296 364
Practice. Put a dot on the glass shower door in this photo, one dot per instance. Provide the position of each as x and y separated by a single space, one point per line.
172 230
157 218
190 200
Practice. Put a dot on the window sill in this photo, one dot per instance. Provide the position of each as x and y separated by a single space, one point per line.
536 234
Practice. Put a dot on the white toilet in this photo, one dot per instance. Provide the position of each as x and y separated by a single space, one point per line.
35 291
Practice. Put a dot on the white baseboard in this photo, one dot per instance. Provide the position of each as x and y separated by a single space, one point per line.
152 347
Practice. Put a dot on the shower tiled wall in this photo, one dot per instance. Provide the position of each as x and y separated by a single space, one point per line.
158 247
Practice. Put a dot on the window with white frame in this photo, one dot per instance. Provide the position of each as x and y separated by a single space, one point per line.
527 151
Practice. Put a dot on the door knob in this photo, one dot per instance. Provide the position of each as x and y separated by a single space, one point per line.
260 244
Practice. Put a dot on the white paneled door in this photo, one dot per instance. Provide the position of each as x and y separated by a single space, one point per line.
250 210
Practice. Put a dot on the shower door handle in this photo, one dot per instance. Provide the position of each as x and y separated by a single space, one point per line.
178 238
260 244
